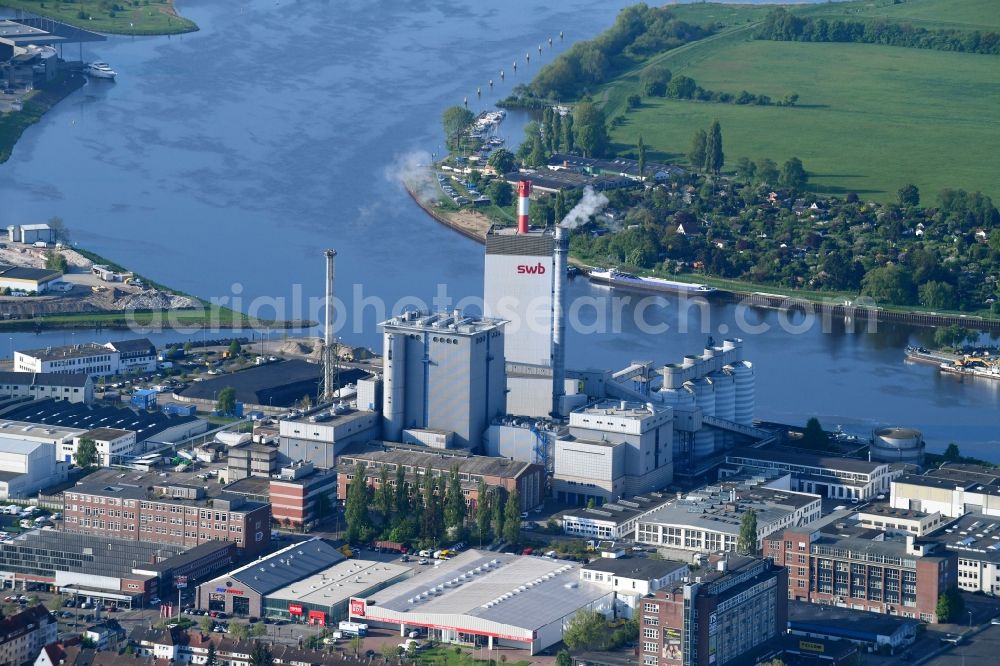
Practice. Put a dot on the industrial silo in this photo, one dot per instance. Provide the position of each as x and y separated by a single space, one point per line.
704 395
898 445
745 398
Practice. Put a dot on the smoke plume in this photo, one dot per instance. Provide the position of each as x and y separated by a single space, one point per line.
591 204
413 171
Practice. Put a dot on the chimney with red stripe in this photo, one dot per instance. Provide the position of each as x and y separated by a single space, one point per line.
523 193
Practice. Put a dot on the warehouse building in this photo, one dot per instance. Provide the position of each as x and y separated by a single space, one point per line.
719 617
527 478
323 597
614 449
952 490
93 568
150 428
27 467
243 591
30 280
709 519
824 475
77 388
482 597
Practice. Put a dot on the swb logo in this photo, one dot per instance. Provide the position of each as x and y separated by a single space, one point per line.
537 269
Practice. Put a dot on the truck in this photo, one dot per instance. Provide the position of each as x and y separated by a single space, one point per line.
392 546
353 629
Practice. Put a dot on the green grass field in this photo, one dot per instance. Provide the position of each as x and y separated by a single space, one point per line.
955 14
145 17
870 118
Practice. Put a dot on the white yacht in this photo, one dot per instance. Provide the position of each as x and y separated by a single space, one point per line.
99 70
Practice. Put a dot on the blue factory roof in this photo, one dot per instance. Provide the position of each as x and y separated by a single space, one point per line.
146 425
280 384
287 565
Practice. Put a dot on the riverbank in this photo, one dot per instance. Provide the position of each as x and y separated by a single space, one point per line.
474 225
43 98
125 301
152 17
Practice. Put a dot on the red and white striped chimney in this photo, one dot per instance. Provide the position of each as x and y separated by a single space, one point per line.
523 194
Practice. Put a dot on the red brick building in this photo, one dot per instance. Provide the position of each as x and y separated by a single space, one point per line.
528 478
146 508
297 502
734 607
897 575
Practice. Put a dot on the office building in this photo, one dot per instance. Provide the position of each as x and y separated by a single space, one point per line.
146 507
443 372
487 599
632 578
715 618
829 563
318 437
709 519
302 495
113 446
973 539
822 474
899 521
72 388
613 449
508 475
517 288
90 358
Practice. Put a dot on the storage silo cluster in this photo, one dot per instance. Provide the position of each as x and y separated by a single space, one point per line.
719 383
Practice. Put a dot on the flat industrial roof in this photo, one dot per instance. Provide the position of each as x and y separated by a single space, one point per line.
350 578
26 273
283 567
720 513
78 379
639 568
17 429
804 458
515 590
61 413
280 384
621 510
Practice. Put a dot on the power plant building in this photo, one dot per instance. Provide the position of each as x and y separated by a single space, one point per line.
614 449
443 372
517 287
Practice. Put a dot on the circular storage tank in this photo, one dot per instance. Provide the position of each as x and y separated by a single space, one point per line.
704 397
898 445
725 403
745 396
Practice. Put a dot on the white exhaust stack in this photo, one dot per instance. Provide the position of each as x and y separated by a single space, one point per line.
559 322
329 386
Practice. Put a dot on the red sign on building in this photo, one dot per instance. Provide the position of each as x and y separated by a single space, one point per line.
295 609
317 617
358 607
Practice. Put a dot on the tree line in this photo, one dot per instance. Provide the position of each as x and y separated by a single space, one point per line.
658 81
427 511
782 25
638 32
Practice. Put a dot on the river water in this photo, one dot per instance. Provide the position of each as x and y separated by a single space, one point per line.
223 161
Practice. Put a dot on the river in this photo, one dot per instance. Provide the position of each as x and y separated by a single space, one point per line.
222 162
